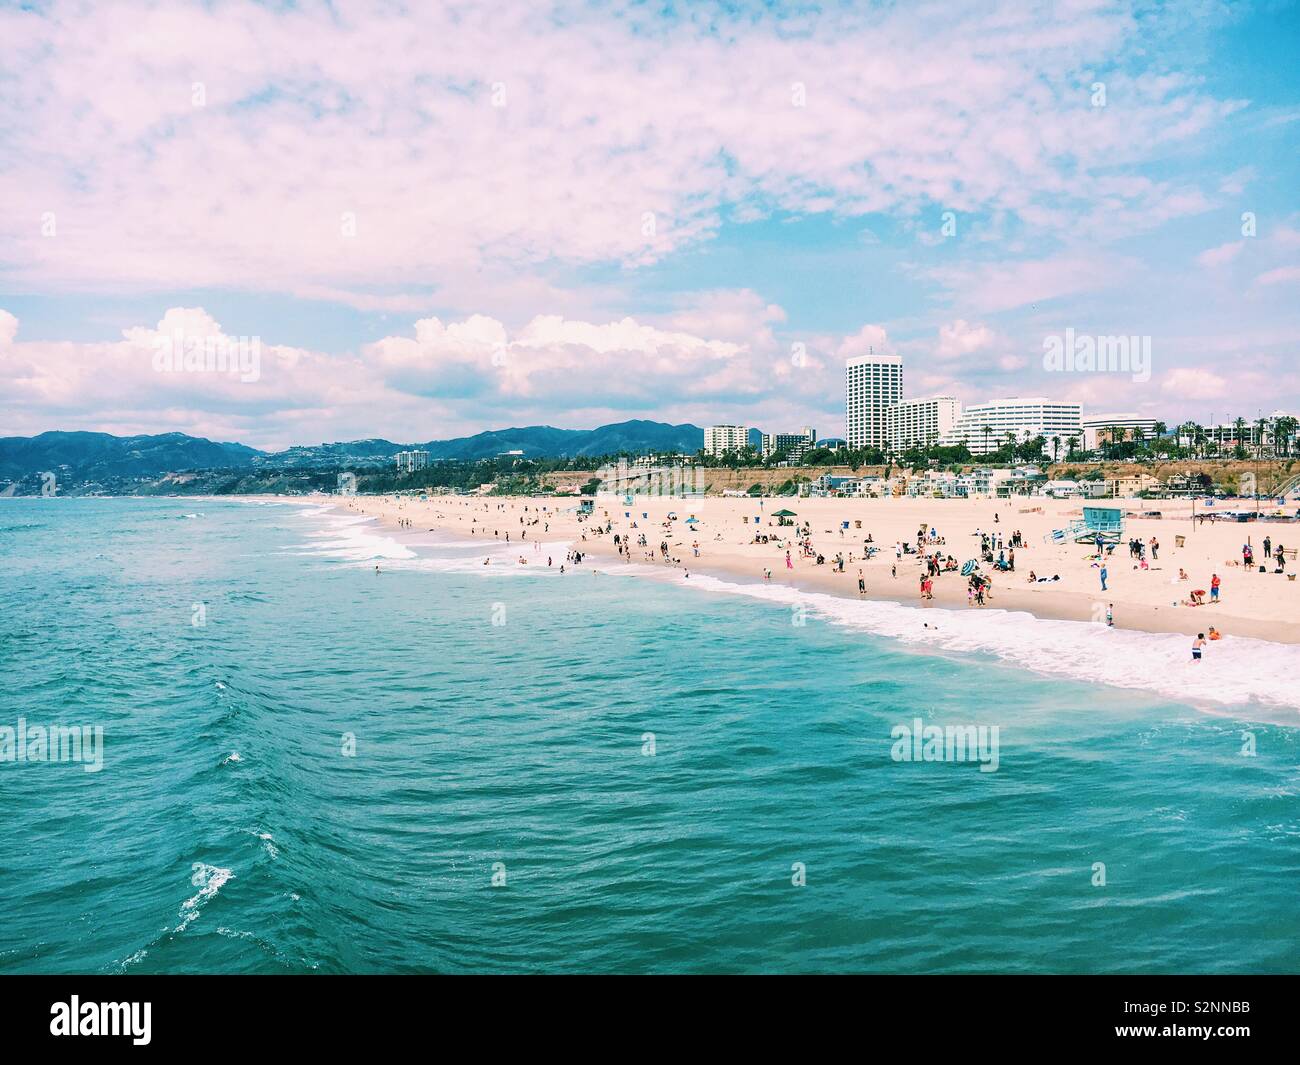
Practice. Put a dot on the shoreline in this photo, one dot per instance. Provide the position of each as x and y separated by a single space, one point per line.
1242 677
729 558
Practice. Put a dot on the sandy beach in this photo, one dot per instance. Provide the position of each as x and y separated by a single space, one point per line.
721 543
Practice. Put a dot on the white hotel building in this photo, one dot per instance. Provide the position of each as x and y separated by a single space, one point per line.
920 422
1021 417
873 384
1098 426
720 438
410 461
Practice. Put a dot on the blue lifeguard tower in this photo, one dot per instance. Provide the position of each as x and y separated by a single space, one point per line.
1104 524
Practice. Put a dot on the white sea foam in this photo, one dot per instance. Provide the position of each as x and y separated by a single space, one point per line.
214 879
1234 671
350 537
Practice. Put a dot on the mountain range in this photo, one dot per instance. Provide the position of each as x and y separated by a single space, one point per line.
101 456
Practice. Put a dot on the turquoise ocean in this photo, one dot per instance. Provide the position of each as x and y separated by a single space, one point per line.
311 766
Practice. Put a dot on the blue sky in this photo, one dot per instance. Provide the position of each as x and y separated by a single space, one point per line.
579 214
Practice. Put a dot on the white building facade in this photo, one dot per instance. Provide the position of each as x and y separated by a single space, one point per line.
1097 428
793 444
920 422
873 384
720 438
410 461
1019 418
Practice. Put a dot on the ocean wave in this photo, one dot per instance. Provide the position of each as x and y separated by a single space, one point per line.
1234 671
214 879
350 538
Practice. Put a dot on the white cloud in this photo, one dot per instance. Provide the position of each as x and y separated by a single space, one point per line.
961 338
1220 256
358 155
1194 383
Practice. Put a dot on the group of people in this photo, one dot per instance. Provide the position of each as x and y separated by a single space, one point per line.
1276 552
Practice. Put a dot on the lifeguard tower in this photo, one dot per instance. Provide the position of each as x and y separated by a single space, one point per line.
1098 523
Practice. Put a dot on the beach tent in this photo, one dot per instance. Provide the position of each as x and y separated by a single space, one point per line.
783 517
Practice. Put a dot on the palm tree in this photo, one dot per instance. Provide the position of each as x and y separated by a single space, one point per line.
1239 431
987 430
1283 430
1070 445
1056 447
1116 436
1261 425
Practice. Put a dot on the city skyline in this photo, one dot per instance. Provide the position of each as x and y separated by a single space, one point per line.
697 220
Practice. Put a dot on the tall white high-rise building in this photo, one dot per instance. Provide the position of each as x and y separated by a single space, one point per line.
873 384
1017 417
920 422
720 438
410 461
792 444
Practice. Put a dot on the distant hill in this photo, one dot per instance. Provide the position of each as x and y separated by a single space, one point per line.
101 455
352 453
544 441
97 457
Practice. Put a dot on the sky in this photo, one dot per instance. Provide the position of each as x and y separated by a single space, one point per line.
422 221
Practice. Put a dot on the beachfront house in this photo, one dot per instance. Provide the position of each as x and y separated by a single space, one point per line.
1062 489
854 487
1133 484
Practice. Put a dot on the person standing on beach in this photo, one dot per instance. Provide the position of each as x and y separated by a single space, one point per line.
1110 615
1214 587
1104 575
862 584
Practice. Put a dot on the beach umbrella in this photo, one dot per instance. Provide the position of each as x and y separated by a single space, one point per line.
969 567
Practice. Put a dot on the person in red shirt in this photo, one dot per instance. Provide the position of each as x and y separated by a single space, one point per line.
1214 588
